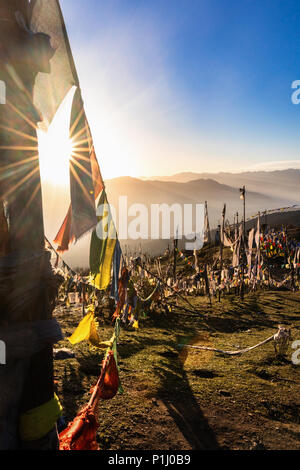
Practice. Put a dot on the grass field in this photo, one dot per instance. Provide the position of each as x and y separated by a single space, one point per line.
179 399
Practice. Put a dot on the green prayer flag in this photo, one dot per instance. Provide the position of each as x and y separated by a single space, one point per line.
103 244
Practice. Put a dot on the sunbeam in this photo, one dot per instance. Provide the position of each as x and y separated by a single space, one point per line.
55 146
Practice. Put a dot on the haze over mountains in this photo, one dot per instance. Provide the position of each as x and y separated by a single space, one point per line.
195 191
265 190
282 183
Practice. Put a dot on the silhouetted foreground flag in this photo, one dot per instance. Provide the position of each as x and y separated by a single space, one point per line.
85 178
81 433
103 245
50 90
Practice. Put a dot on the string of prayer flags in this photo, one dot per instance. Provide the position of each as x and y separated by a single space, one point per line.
80 434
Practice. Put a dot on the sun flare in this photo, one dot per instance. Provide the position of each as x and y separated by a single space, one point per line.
56 147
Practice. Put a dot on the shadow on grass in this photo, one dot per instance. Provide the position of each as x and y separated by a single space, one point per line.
178 398
72 389
174 390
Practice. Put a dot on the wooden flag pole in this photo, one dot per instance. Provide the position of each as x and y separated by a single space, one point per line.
243 197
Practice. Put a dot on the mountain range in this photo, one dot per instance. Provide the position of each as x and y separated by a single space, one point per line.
264 190
282 183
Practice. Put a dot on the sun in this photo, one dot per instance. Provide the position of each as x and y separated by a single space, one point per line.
56 147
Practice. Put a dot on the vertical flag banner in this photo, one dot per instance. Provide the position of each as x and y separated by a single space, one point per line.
50 90
103 243
207 236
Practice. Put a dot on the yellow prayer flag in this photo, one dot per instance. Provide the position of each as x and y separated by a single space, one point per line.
86 330
103 278
82 331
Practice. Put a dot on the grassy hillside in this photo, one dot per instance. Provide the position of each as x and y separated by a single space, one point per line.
177 398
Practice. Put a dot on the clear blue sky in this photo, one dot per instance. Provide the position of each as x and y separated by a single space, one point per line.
195 85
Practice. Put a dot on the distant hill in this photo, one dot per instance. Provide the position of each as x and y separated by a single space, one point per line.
192 192
265 190
279 183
